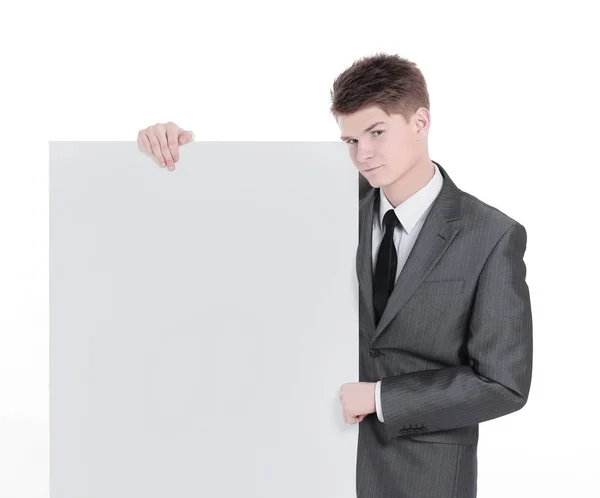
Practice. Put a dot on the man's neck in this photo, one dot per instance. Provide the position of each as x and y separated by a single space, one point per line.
413 181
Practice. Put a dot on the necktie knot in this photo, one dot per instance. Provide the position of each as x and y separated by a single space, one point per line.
390 220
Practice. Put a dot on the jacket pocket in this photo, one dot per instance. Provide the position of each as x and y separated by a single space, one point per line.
443 286
457 436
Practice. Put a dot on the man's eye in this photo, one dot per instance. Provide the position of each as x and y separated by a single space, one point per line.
351 141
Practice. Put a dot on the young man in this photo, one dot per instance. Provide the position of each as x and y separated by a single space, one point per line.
445 325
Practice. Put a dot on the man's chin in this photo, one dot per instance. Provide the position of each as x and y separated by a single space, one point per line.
375 183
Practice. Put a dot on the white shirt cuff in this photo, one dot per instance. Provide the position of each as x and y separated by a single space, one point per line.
378 401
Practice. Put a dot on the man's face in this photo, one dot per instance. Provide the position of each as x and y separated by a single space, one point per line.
392 147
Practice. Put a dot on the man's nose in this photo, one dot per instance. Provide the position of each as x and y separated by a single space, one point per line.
364 154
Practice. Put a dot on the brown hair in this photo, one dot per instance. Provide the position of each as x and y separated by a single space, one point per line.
394 84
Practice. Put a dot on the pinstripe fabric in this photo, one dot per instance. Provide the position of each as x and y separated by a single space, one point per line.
453 347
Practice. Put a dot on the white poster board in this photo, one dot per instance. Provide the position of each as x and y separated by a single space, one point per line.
202 321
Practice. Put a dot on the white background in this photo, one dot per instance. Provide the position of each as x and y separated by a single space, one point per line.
514 106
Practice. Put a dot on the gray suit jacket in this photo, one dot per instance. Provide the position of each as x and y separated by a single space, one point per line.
453 348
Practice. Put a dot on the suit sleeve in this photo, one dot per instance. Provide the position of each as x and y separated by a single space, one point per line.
500 346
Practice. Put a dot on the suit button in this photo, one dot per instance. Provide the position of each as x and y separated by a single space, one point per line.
374 353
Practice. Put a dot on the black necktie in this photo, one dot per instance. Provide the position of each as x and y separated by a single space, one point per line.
385 268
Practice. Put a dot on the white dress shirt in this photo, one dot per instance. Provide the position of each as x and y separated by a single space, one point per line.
411 213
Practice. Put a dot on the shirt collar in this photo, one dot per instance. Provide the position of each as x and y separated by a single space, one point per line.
412 209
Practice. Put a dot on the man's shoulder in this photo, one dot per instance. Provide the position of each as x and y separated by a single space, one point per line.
476 212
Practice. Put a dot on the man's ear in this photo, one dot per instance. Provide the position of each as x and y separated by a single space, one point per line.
422 119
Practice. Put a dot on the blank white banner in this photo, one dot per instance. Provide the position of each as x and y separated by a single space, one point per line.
202 321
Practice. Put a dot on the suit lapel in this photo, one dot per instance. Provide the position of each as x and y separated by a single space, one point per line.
435 237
